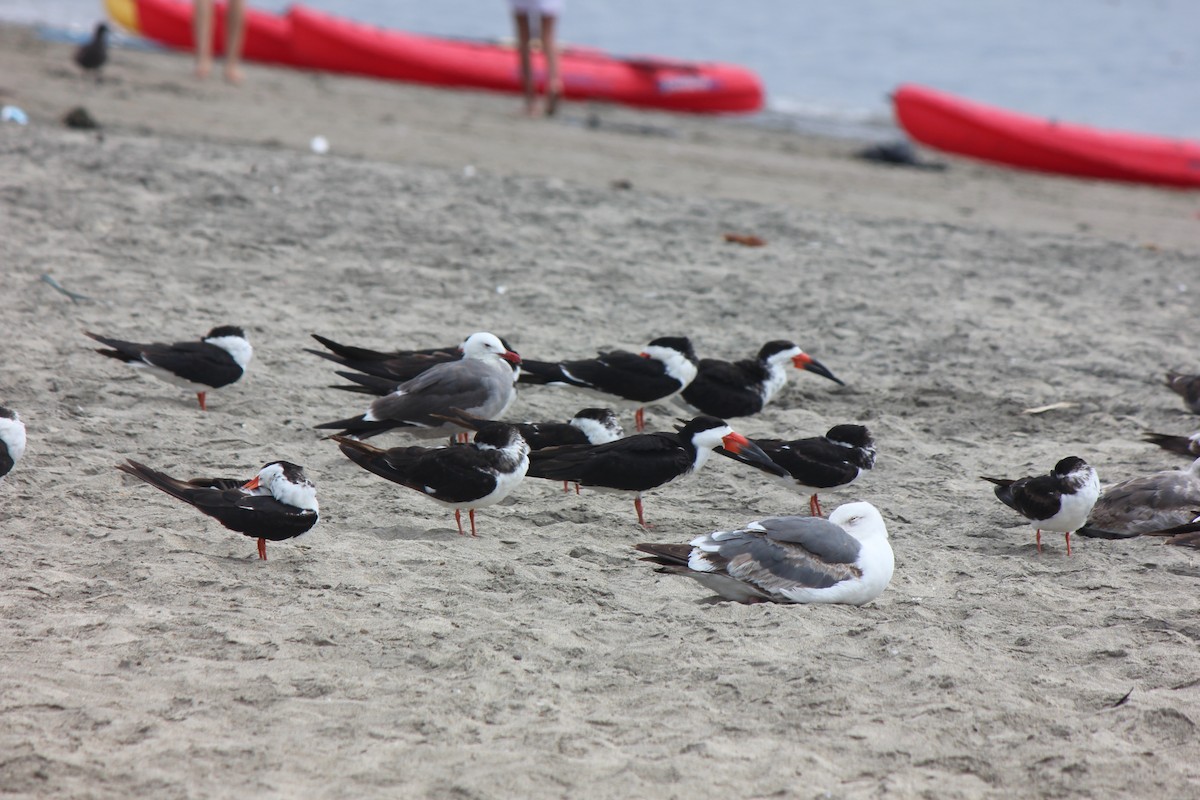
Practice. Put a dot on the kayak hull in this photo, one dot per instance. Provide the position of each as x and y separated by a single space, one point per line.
963 127
311 39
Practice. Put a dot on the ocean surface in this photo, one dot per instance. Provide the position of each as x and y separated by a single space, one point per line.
829 66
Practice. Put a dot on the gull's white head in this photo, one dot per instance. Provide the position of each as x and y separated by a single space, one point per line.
861 520
488 345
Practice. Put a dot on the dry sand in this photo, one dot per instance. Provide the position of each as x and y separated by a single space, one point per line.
148 653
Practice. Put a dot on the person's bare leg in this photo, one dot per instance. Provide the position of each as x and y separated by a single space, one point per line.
521 20
202 22
235 37
554 87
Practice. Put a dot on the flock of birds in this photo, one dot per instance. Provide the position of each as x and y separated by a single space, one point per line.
461 390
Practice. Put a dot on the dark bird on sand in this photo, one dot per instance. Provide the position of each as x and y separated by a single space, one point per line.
1060 501
817 463
1183 445
278 503
740 388
218 359
646 461
470 476
93 54
1187 387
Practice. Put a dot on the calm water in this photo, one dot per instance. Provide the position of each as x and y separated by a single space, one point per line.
1128 64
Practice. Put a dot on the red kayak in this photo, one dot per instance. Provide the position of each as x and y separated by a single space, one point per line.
971 129
331 43
315 40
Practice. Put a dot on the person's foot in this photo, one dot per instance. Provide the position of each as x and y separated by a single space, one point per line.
233 74
203 69
552 99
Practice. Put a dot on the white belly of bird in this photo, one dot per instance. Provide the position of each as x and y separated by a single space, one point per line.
505 483
1073 511
877 564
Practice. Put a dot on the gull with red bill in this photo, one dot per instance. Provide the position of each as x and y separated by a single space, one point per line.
482 383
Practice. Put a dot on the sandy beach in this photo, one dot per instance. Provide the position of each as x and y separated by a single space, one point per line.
148 652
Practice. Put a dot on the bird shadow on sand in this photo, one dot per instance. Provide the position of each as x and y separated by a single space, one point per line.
409 533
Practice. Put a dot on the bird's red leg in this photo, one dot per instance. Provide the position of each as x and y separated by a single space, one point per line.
262 549
577 488
566 486
471 514
814 505
200 397
1068 543
637 504
639 419
458 519
1039 540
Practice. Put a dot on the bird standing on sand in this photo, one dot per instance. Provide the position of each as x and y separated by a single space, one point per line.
93 54
1187 387
278 503
483 383
1060 501
832 461
843 559
12 440
470 476
646 461
218 359
661 371
728 389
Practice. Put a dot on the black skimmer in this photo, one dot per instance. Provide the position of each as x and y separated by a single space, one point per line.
646 461
588 426
470 476
832 461
843 559
661 371
740 388
383 371
93 54
1060 501
12 440
482 384
218 359
278 503
1148 503
1184 445
1187 387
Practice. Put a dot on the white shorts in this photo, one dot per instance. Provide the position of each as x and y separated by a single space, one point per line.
547 8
